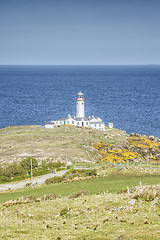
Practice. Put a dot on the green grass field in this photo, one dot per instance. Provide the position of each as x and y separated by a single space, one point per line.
108 216
111 183
107 213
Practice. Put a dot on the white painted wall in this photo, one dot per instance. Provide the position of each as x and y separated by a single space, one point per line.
97 126
71 121
110 125
80 108
49 126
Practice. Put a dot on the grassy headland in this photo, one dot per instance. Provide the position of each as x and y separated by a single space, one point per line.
17 143
111 206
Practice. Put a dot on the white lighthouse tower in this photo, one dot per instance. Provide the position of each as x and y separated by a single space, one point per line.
80 120
80 105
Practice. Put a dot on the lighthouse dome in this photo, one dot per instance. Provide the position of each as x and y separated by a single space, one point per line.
80 95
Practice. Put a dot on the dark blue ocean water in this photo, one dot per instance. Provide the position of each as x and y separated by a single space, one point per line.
128 96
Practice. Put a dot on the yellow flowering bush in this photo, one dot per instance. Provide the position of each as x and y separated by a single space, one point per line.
101 146
142 142
140 147
149 149
118 155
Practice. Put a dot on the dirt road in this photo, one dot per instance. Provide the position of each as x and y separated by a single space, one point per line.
33 181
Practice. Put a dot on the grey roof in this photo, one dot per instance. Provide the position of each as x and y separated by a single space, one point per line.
80 119
50 123
97 122
62 119
88 119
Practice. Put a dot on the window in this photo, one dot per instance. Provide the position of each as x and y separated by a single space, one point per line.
77 123
86 123
72 122
95 125
67 122
99 125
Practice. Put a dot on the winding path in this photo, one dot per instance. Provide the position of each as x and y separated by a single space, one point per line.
34 181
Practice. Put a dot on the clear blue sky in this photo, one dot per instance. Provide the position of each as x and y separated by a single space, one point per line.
64 32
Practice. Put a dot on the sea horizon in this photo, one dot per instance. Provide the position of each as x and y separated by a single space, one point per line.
127 95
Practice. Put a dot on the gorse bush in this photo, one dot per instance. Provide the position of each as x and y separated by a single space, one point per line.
143 143
146 147
138 148
108 154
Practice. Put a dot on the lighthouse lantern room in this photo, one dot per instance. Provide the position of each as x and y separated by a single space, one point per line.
80 105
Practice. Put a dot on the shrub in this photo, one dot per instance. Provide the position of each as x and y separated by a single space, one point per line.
57 164
51 196
39 171
108 154
31 198
77 194
55 179
48 181
1 171
73 173
4 179
28 184
64 211
60 169
146 193
26 163
18 178
44 164
13 170
91 172
52 165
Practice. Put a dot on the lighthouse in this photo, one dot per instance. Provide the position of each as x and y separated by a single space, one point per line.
80 120
80 105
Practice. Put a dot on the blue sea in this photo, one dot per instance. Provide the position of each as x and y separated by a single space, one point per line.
128 96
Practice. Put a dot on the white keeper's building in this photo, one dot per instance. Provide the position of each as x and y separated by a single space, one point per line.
80 120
